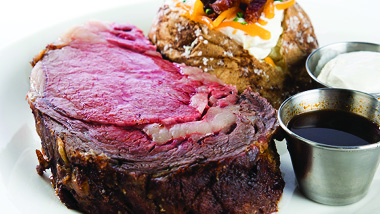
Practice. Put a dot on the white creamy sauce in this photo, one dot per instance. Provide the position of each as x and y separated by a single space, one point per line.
256 46
37 80
355 70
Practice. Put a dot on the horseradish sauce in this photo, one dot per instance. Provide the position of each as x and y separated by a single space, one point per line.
355 70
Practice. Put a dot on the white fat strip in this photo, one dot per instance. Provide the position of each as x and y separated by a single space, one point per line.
37 80
216 119
196 74
199 101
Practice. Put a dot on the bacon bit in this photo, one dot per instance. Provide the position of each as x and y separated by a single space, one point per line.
197 14
254 10
269 61
252 15
221 5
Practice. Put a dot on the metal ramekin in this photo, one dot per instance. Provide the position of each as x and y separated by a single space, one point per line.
318 58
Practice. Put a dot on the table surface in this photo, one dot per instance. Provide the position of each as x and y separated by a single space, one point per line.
333 21
20 18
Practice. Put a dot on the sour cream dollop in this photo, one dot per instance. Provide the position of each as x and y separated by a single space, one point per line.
256 46
355 70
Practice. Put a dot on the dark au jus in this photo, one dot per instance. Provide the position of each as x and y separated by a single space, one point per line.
338 128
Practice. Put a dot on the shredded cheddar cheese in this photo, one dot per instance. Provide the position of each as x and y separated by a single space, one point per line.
197 10
183 6
227 14
250 29
269 61
196 13
205 20
262 22
285 5
269 9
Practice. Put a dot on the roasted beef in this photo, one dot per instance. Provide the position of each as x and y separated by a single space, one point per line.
125 131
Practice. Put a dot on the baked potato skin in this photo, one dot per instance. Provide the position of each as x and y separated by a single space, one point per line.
295 45
184 41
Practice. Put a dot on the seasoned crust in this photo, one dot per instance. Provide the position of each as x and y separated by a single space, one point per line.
184 41
92 182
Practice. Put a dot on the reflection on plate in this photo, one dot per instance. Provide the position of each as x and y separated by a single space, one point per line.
23 191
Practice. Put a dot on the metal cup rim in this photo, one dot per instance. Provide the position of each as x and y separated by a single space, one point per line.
322 145
308 59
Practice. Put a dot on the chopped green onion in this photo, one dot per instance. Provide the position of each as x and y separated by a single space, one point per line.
243 23
239 15
235 19
209 11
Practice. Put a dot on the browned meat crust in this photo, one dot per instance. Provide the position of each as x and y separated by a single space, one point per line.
92 182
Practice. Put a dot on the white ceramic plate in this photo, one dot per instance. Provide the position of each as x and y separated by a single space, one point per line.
23 191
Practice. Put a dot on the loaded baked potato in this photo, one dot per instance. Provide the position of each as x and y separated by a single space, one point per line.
229 38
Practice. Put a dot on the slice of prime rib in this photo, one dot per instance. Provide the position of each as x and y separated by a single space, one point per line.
125 131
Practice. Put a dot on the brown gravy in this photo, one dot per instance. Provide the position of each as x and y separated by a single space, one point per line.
338 128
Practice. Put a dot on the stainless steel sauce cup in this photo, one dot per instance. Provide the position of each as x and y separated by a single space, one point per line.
332 175
318 59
